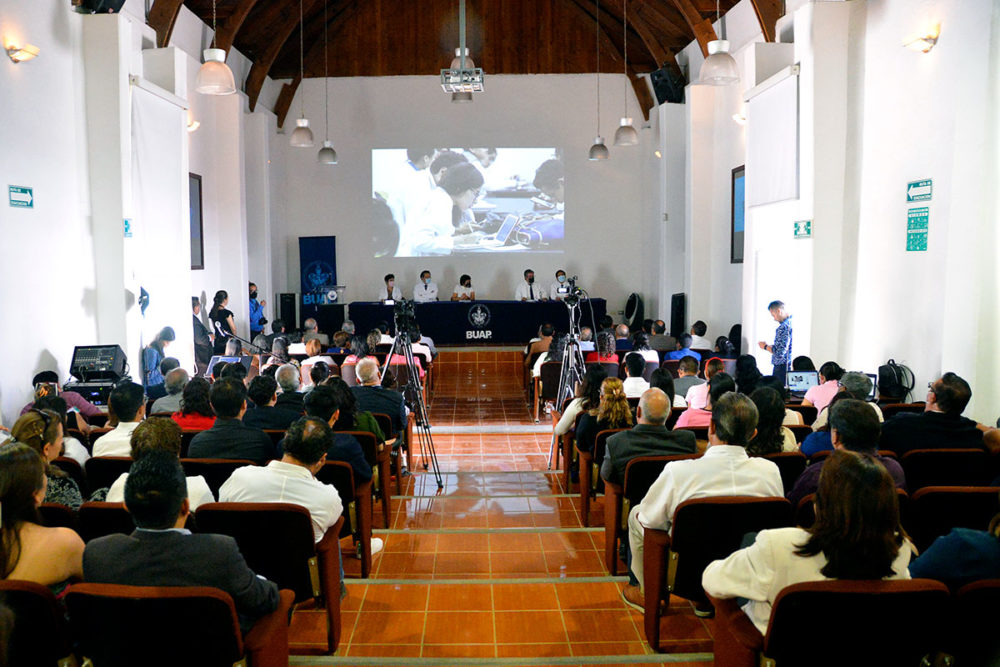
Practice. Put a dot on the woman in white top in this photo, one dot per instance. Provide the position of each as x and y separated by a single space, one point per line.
588 396
165 434
389 290
445 220
662 379
857 536
463 290
640 344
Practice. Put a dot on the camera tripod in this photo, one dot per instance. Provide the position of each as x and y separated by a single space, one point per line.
413 392
571 372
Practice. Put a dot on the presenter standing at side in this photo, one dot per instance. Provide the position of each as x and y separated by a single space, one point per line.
389 291
528 290
425 291
463 290
781 350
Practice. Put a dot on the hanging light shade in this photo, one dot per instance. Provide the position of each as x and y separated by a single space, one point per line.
598 151
719 68
626 135
302 136
456 62
215 77
326 154
461 98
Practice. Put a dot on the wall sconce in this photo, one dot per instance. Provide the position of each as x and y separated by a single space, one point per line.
20 54
926 42
192 124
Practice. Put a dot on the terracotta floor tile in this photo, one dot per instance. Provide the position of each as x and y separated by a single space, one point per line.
455 597
463 627
610 648
589 596
574 562
678 627
517 597
517 563
519 627
460 563
413 543
394 565
567 541
600 625
309 627
501 542
392 627
468 542
395 597
384 650
458 651
533 650
355 594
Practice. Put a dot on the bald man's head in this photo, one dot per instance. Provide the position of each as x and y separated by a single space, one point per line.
654 407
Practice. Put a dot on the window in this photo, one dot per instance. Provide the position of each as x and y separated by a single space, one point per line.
738 215
197 237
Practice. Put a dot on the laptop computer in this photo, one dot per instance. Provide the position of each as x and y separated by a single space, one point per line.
503 233
799 382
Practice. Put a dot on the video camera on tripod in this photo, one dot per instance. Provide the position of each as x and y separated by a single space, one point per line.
405 319
574 293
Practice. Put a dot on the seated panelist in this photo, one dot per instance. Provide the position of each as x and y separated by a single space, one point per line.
389 291
464 291
426 290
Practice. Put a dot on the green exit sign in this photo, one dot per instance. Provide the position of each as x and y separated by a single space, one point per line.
20 196
919 190
803 229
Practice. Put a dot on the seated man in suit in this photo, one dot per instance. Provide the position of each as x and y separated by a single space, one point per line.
660 341
312 332
161 552
373 397
263 392
724 470
649 437
684 349
229 437
289 379
622 341
941 424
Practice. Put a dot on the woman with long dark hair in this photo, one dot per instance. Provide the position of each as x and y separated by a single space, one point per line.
28 550
772 437
747 374
857 535
223 325
196 411
588 394
42 430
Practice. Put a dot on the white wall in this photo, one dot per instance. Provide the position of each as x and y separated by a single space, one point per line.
611 208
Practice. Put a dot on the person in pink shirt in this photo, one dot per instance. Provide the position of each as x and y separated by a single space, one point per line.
829 384
719 384
697 396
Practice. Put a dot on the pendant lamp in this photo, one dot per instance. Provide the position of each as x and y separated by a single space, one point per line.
719 68
214 77
326 154
626 135
598 151
302 136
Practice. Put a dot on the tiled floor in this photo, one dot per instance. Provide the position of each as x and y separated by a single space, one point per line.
495 567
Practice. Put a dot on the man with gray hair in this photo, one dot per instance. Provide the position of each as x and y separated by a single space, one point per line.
724 470
373 397
347 327
859 386
312 332
587 339
288 378
174 384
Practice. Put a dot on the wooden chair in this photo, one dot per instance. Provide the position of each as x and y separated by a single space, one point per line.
348 373
530 364
55 515
187 435
935 510
41 634
73 468
100 519
672 365
790 464
800 432
890 410
972 638
569 454
546 385
610 366
276 539
215 471
946 467
398 448
704 529
907 616
640 473
357 502
590 471
675 414
377 456
700 432
94 434
808 412
102 471
127 625
805 513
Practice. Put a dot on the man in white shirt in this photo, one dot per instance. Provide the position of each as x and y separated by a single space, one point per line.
698 340
425 291
724 470
527 290
587 340
634 384
560 288
389 290
293 478
128 403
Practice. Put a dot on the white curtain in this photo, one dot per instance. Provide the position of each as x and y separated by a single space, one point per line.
773 144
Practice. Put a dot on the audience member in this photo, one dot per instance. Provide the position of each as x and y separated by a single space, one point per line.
697 396
605 352
554 352
237 371
724 348
961 557
348 328
855 428
174 384
42 430
539 346
803 363
322 403
229 437
859 386
289 379
47 382
612 412
607 323
725 469
771 436
72 447
649 437
161 435
196 412
30 551
263 392
747 374
161 552
234 348
587 340
293 478
622 342
128 403
792 417
640 345
158 391
315 351
857 535
698 340
664 381
312 333
374 398
660 341
720 384
687 375
829 384
820 440
352 419
588 395
340 343
318 374
941 424
635 384
359 350
684 349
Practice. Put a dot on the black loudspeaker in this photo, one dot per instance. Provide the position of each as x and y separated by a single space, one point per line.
677 315
668 85
634 312
98 6
286 310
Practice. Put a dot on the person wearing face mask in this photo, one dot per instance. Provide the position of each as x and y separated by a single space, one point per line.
528 291
389 290
464 291
425 291
257 319
560 288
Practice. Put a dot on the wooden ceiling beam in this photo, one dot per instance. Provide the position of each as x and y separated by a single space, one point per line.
162 18
605 38
768 12
649 40
226 35
702 28
285 98
336 22
262 65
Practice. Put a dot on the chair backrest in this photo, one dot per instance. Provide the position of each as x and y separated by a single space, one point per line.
805 513
187 435
611 367
893 409
946 467
800 432
700 432
974 639
100 519
348 373
102 471
276 435
672 365
550 379
935 510
601 442
73 468
790 465
117 626
909 616
304 376
384 422
96 433
276 539
675 414
369 445
215 471
56 515
40 635
707 529
642 471
340 475
808 412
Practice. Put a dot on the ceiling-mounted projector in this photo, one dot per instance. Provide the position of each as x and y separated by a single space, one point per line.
98 6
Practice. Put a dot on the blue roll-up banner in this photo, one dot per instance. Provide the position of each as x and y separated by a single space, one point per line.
318 263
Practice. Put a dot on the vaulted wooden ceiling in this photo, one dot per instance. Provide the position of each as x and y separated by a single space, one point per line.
397 37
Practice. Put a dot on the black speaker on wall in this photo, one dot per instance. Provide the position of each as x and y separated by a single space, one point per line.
286 309
668 85
98 6
677 314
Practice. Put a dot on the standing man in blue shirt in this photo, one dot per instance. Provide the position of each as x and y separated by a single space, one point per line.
781 350
257 319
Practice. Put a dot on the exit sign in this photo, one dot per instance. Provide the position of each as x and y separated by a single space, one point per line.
20 196
803 229
919 190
